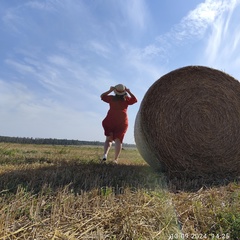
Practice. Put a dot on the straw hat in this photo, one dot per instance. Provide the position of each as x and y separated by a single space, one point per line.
120 89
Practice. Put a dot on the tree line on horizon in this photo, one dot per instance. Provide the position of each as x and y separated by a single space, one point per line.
53 141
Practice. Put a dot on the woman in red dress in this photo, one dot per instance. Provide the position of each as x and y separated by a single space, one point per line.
115 124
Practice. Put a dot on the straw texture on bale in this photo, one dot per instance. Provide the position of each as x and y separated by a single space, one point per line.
189 122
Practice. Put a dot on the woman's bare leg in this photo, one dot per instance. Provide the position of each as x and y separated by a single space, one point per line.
118 148
107 146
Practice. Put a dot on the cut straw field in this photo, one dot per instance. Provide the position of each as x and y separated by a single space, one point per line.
63 192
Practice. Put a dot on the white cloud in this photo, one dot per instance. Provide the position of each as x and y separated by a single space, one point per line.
198 20
194 26
12 95
12 21
191 28
223 43
99 48
20 67
43 5
136 11
24 116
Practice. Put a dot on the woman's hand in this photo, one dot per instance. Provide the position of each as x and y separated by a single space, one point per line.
107 92
130 93
127 90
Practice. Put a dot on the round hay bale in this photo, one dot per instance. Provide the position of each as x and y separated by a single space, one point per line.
189 123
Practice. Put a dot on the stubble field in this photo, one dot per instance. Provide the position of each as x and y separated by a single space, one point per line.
63 192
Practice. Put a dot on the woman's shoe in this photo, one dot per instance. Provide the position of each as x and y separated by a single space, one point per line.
104 158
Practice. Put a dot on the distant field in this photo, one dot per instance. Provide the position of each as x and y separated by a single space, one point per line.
58 192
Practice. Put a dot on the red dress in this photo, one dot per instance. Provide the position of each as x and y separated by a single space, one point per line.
115 124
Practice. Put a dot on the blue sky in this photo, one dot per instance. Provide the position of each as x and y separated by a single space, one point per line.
58 56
